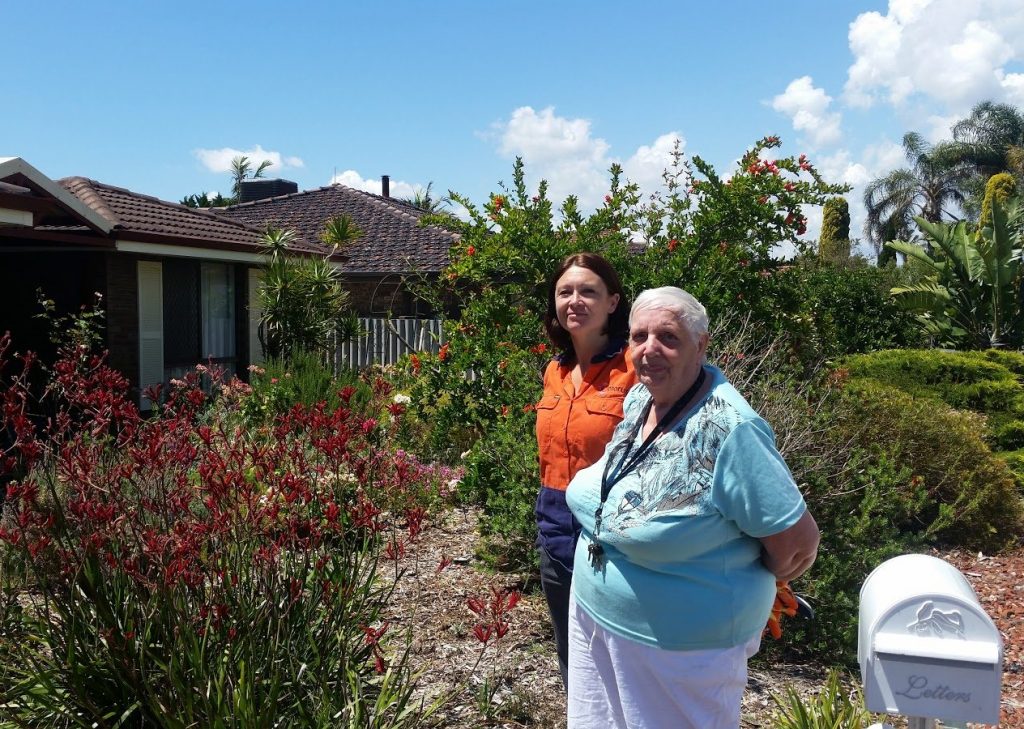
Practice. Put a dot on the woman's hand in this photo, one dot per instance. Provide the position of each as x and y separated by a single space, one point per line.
789 554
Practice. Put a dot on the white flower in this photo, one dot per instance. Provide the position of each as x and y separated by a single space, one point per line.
402 399
464 454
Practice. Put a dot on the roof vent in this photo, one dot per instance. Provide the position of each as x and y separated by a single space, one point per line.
385 185
261 189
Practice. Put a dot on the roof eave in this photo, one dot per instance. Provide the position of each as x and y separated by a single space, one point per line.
10 166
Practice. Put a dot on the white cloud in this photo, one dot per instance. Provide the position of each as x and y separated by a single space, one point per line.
565 152
219 160
1013 87
647 165
808 110
840 168
952 51
939 127
559 150
396 188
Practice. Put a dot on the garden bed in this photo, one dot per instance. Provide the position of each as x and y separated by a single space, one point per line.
522 669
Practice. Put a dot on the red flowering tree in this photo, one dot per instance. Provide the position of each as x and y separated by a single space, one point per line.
713 236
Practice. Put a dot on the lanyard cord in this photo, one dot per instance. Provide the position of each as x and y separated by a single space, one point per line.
624 467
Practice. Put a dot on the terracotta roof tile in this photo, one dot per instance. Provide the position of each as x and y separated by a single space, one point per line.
391 242
131 212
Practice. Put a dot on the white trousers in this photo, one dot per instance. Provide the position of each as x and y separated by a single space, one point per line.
617 683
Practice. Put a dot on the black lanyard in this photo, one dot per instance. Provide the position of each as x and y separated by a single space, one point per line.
625 467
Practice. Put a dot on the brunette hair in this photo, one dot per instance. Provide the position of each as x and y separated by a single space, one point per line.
618 320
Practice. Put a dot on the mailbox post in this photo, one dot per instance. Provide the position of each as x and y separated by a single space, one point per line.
927 650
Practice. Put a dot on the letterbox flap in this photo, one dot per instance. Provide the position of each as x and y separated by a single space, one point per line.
911 646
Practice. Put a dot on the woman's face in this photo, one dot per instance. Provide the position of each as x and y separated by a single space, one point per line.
582 302
665 355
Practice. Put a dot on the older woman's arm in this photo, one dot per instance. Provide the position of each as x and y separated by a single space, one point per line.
789 554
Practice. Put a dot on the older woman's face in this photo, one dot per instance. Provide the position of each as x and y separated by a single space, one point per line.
665 355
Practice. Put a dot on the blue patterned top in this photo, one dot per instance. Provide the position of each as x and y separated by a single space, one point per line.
682 557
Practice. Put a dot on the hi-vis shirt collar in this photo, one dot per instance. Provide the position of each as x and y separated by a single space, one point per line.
614 347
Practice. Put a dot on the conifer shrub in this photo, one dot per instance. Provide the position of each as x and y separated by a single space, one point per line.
1015 462
834 241
989 382
1010 436
1001 187
961 493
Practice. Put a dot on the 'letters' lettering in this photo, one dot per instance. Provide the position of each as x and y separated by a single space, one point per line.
917 688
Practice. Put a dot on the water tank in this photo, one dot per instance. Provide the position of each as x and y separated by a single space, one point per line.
261 189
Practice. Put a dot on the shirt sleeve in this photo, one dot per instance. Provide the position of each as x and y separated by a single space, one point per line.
752 484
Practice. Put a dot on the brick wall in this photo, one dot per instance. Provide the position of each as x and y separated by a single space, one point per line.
122 302
383 296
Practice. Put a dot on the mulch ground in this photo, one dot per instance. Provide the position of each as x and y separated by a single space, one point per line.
999 584
514 681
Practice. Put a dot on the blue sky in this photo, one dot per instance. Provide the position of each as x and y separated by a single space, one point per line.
157 97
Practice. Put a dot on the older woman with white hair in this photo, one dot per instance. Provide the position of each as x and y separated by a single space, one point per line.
688 520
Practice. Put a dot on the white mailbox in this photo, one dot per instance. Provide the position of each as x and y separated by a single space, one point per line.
925 646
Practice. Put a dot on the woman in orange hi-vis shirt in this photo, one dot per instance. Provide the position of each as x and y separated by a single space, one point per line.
587 321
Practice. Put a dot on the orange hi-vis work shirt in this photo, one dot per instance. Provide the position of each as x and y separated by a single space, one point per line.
573 429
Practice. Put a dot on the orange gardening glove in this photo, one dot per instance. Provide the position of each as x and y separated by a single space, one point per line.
785 604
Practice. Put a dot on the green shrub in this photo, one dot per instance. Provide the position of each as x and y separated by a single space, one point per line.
501 474
1011 360
969 498
987 382
842 309
884 473
1010 436
1014 460
863 516
303 379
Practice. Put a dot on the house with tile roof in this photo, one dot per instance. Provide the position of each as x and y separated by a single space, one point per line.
392 248
178 285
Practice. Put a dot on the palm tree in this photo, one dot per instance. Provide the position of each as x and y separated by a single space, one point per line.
933 187
241 169
990 141
339 231
304 307
422 200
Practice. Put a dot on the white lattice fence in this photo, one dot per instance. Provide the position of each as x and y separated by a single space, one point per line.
386 340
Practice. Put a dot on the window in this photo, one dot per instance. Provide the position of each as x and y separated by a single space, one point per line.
199 316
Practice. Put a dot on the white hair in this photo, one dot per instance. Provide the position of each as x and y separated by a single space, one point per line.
691 313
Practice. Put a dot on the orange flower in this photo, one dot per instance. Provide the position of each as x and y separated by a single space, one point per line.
442 353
